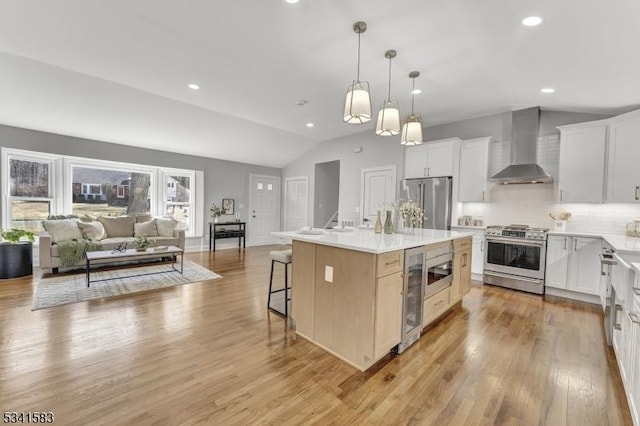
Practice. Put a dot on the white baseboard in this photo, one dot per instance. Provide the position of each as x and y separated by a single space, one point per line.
567 294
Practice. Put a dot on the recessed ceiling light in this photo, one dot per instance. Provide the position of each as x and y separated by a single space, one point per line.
309 124
292 1
532 21
548 90
194 86
416 91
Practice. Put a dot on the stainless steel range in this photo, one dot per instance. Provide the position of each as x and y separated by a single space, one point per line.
515 257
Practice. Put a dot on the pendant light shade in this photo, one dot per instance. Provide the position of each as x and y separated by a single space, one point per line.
389 116
412 129
357 105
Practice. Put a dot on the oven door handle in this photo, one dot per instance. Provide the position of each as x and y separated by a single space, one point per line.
517 241
498 274
439 260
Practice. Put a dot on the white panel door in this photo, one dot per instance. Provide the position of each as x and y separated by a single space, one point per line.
624 151
584 275
474 170
415 161
582 154
440 158
296 193
378 191
557 265
264 205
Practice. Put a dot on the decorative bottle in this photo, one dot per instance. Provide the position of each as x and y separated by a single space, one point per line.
388 225
378 227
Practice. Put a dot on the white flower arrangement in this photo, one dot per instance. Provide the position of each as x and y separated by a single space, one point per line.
413 212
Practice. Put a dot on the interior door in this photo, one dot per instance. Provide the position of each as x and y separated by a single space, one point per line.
378 191
296 193
264 205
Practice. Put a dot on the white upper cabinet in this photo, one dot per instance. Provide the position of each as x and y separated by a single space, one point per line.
624 152
583 149
431 159
474 170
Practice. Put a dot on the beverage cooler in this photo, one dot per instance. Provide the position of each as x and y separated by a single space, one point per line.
414 272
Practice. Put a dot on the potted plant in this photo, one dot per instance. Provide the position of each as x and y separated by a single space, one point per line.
216 212
16 253
142 242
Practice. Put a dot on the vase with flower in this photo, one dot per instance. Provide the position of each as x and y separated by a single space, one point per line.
215 212
412 214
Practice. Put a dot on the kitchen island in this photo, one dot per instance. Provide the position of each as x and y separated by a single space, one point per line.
347 288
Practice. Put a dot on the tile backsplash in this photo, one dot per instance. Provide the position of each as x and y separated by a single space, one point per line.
531 204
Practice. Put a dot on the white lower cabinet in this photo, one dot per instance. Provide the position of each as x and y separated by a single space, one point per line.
633 393
478 248
573 263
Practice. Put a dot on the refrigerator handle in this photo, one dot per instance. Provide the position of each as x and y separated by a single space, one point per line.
447 225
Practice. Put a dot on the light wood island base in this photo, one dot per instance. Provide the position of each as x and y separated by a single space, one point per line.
349 302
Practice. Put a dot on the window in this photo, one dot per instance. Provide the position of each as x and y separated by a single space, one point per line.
33 189
30 194
108 191
178 196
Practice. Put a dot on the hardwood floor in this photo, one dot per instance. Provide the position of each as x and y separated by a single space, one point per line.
211 353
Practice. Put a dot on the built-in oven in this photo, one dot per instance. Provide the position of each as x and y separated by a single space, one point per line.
439 269
517 263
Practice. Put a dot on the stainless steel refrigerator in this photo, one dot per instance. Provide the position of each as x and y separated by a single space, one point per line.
434 196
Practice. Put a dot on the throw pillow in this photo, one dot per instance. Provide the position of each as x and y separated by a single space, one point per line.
92 230
166 227
121 226
145 228
60 230
143 217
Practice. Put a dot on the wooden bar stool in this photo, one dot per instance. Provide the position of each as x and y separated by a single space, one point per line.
284 257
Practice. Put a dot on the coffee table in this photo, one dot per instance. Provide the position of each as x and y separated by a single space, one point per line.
114 256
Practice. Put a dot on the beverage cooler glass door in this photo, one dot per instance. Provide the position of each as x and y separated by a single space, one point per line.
413 278
518 257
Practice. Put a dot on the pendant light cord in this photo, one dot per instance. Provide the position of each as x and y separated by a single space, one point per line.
413 94
358 72
389 98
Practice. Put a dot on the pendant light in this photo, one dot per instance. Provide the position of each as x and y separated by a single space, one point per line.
412 129
357 106
389 115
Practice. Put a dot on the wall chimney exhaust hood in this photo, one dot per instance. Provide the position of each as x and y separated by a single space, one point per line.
524 147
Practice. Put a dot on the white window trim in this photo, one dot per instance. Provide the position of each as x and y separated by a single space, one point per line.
60 182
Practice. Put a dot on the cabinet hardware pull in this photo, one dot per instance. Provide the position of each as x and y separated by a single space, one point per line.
424 172
565 243
637 189
464 256
575 245
634 318
391 263
636 291
561 194
485 200
481 245
429 172
615 318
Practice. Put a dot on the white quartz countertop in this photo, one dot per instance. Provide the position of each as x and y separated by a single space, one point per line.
619 243
366 240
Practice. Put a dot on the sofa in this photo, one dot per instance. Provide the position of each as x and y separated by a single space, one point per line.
109 231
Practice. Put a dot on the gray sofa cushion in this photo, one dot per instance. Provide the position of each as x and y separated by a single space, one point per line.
121 226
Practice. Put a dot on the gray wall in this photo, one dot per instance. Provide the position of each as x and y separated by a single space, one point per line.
327 192
222 179
381 151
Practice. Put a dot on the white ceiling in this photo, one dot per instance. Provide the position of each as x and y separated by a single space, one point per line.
117 70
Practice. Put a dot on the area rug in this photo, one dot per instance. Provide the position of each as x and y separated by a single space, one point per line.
65 289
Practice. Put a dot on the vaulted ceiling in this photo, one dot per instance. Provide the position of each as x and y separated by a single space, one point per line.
118 70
